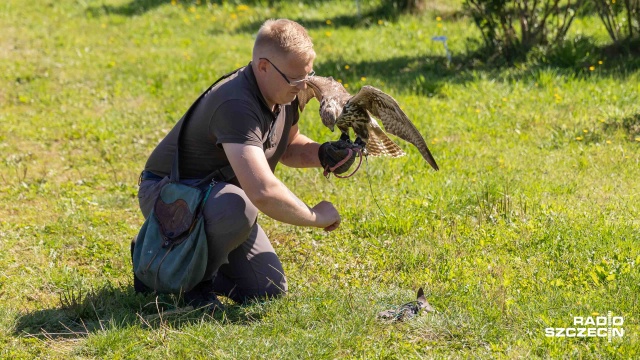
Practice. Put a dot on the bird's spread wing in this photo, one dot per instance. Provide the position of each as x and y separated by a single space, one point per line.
394 120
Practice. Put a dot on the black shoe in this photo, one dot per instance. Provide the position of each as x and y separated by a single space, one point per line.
202 296
140 287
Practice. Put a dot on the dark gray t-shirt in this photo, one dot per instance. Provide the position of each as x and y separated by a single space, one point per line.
234 111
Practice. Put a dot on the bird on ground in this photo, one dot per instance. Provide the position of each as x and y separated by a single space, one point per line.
408 310
338 108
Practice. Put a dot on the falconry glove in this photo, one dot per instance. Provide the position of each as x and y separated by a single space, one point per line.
337 156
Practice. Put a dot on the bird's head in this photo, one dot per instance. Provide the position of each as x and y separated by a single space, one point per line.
330 111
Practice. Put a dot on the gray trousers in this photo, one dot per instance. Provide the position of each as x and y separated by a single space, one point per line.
242 262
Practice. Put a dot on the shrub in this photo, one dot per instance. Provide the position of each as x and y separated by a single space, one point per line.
511 28
620 18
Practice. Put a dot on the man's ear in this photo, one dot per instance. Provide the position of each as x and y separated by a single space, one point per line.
261 65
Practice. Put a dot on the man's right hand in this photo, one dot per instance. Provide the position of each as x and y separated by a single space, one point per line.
326 215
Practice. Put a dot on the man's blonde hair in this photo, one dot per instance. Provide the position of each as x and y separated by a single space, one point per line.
282 37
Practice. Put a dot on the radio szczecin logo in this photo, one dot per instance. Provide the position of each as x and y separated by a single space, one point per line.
599 326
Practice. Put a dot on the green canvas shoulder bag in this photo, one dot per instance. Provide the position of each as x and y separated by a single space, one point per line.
171 250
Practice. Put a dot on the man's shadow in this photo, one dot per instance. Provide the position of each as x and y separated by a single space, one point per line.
82 312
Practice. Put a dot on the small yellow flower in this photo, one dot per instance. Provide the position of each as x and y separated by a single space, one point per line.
504 99
478 110
600 62
346 86
439 25
104 26
213 18
638 139
585 131
608 141
340 81
438 18
591 68
363 79
380 22
327 34
192 9
234 16
242 7
173 2
595 313
328 22
346 67
579 138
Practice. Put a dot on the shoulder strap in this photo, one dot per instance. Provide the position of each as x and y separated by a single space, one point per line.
225 173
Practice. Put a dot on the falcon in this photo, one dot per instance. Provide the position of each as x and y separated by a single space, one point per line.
358 112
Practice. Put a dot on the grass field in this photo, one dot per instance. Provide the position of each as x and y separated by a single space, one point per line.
533 219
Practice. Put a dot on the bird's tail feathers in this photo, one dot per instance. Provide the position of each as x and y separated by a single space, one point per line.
379 144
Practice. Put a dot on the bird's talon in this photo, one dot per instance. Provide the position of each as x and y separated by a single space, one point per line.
345 137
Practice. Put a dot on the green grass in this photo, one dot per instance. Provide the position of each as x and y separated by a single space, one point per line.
533 218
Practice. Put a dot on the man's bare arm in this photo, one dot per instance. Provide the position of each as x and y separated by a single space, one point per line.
270 195
302 152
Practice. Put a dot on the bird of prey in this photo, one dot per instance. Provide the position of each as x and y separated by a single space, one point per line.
341 109
408 310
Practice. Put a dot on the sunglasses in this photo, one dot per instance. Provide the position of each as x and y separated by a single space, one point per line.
291 82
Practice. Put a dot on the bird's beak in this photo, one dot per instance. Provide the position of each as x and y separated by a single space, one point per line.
332 127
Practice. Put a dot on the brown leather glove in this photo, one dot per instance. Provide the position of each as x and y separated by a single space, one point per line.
337 156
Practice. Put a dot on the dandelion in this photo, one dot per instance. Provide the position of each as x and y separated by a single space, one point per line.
591 68
173 2
242 7
234 16
638 139
438 18
599 62
192 9
585 131
478 111
346 86
327 34
380 22
504 99
439 25
346 67
579 138
608 141
340 81
328 22
363 79
104 26
595 313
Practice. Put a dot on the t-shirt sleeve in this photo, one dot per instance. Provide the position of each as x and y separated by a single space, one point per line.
236 122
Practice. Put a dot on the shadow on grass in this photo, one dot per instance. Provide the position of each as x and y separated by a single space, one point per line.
426 75
81 314
139 7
